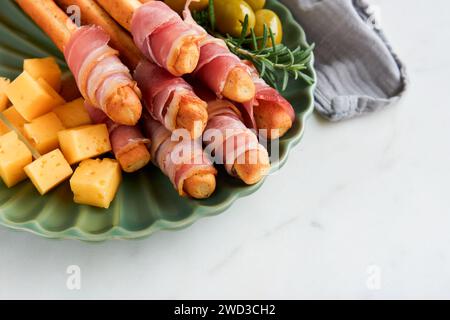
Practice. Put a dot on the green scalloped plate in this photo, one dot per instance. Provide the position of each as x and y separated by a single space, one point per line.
146 201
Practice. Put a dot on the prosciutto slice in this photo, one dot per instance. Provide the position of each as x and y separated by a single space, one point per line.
227 137
123 138
158 32
178 160
265 93
96 66
162 92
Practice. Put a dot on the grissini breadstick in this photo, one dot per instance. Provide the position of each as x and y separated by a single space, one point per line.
159 32
183 162
128 143
232 79
101 77
171 100
93 14
232 143
187 111
269 110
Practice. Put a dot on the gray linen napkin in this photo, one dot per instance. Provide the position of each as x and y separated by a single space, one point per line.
358 72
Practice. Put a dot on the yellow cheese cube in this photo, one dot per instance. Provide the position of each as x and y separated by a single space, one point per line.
43 132
73 114
84 142
48 171
14 117
58 100
4 102
45 68
14 156
95 182
30 98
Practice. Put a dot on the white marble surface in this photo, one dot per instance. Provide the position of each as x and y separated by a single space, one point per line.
357 200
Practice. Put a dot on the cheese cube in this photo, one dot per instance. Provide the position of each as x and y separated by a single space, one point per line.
14 117
14 156
48 171
95 182
58 100
43 132
45 68
84 142
73 114
4 102
30 98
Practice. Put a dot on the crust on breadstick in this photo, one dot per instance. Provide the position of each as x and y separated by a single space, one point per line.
52 21
273 118
92 13
123 106
183 61
200 186
134 159
249 172
239 86
192 115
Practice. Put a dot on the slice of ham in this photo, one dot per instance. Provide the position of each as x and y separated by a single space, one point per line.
96 67
158 32
123 138
161 92
178 160
229 137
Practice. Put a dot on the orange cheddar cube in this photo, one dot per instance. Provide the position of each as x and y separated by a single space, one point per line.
14 156
45 68
42 132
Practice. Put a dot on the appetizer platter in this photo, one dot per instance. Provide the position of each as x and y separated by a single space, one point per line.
119 118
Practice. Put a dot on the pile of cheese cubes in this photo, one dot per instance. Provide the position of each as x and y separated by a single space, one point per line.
44 137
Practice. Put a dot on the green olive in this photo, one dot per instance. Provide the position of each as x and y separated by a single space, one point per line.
178 5
272 21
256 4
230 15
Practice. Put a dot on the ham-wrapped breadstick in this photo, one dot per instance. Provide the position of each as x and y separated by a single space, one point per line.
183 162
161 35
169 99
128 143
232 78
101 77
159 32
232 143
93 14
269 111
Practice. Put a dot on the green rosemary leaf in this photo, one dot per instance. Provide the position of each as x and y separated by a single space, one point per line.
212 15
244 29
255 42
285 80
264 38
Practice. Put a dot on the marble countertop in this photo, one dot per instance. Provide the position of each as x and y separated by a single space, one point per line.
361 210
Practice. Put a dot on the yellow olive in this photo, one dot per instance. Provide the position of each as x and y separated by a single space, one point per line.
230 15
178 5
256 4
272 21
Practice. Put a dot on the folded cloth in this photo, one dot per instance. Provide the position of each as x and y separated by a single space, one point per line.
357 70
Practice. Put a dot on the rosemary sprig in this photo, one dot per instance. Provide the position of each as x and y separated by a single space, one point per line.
276 64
